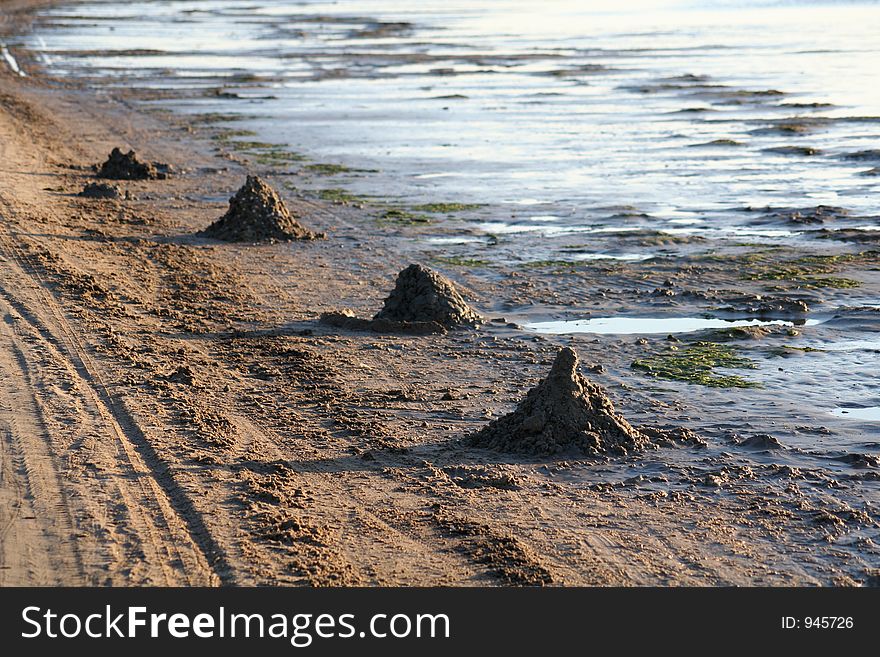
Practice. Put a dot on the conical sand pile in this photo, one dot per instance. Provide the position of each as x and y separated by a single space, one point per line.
257 214
127 166
565 413
422 295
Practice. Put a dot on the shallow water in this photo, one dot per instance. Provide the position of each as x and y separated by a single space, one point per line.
551 113
649 325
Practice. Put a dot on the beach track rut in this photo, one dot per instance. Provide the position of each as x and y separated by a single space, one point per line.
87 498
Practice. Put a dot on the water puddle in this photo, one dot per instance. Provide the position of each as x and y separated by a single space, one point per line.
445 241
849 345
625 257
646 325
732 232
504 228
687 222
870 413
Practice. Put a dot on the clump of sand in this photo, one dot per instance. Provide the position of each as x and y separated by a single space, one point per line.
564 413
421 295
127 166
100 191
257 214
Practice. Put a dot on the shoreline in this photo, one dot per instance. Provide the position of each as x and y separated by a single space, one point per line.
300 454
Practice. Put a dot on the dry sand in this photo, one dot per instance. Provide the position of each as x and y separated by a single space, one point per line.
172 412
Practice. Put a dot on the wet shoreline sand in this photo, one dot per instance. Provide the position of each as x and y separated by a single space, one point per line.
184 418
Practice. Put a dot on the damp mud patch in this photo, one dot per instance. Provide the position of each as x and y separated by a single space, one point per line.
856 235
101 191
127 166
764 306
819 214
566 414
870 155
750 333
804 151
257 214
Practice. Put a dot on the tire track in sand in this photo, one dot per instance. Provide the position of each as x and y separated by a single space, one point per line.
37 544
172 542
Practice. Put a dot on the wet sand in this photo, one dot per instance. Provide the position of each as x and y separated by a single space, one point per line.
173 412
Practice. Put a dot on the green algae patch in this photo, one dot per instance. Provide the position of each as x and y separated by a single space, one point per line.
554 264
838 283
337 195
243 145
212 118
261 152
230 136
324 169
447 208
274 156
399 216
809 272
696 364
787 350
802 279
456 261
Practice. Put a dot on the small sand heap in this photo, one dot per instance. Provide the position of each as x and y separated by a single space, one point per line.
421 295
101 191
183 375
257 214
127 166
564 413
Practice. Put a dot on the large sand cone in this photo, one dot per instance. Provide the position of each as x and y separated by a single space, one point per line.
257 214
564 413
422 295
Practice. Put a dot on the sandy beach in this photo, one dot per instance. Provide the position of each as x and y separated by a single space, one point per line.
173 412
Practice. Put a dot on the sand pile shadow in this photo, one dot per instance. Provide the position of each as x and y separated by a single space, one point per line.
422 302
257 214
346 319
127 166
566 414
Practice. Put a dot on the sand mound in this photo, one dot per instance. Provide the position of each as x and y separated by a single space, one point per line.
759 441
127 166
421 295
565 413
257 214
100 190
183 375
